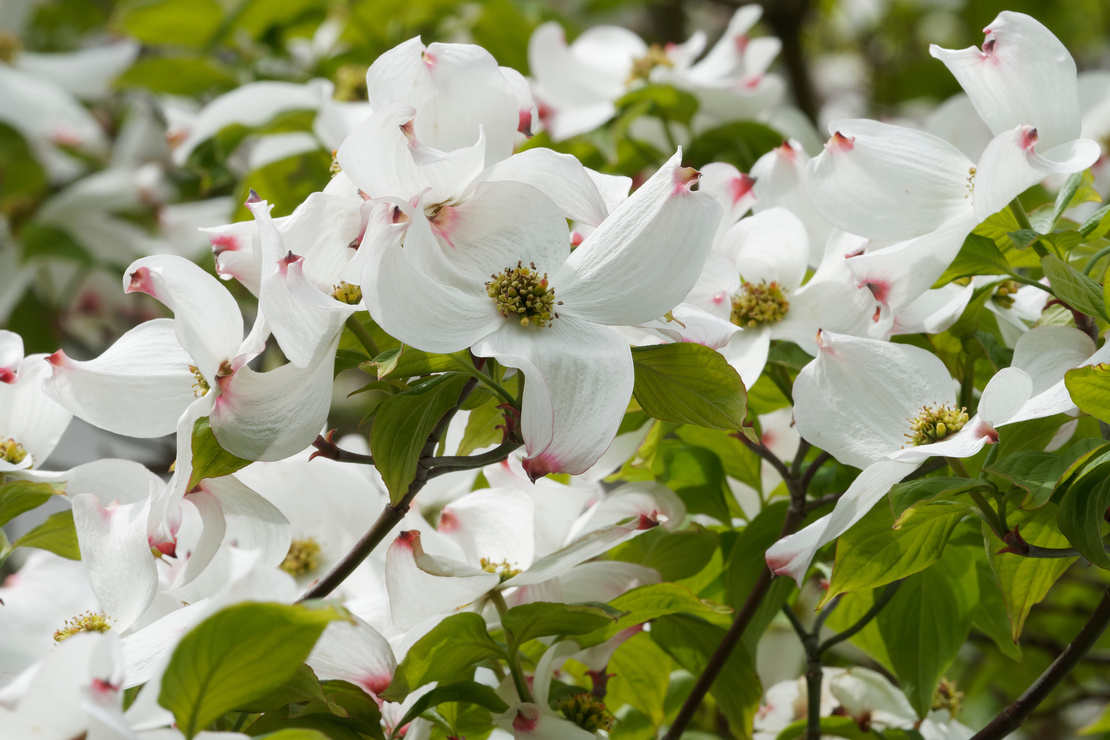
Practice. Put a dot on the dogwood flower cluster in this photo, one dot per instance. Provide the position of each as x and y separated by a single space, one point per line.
470 253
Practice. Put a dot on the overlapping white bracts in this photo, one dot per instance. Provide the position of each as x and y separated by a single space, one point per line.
31 422
917 196
425 282
577 85
857 401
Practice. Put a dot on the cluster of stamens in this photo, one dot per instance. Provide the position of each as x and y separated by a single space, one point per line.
520 292
504 569
970 182
9 47
642 66
934 423
200 385
1004 293
335 169
303 557
11 451
759 303
350 83
347 293
947 697
587 712
87 622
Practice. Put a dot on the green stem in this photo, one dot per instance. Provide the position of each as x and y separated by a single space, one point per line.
363 336
991 455
957 466
492 384
884 598
451 463
1094 260
988 513
514 659
1023 221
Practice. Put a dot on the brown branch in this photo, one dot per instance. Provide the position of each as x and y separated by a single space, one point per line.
1014 715
392 515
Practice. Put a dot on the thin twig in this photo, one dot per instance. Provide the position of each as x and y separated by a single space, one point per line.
720 656
392 515
863 621
1015 714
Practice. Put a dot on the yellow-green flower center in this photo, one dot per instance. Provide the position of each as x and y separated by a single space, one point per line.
947 697
1004 293
587 712
87 622
642 66
934 423
335 168
347 293
759 303
303 557
200 385
350 83
9 47
521 293
503 569
11 451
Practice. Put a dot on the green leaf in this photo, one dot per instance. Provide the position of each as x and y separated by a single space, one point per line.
989 615
447 653
739 460
1098 726
650 602
209 459
47 241
642 677
57 534
408 362
294 734
739 143
287 182
1022 238
482 427
905 496
1077 189
692 643
542 619
1098 225
171 22
926 623
236 656
303 687
259 16
676 555
977 256
698 478
662 101
177 75
1032 470
746 564
834 726
1074 288
1025 581
22 180
1081 516
1090 389
851 608
872 553
402 425
462 691
19 496
687 383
